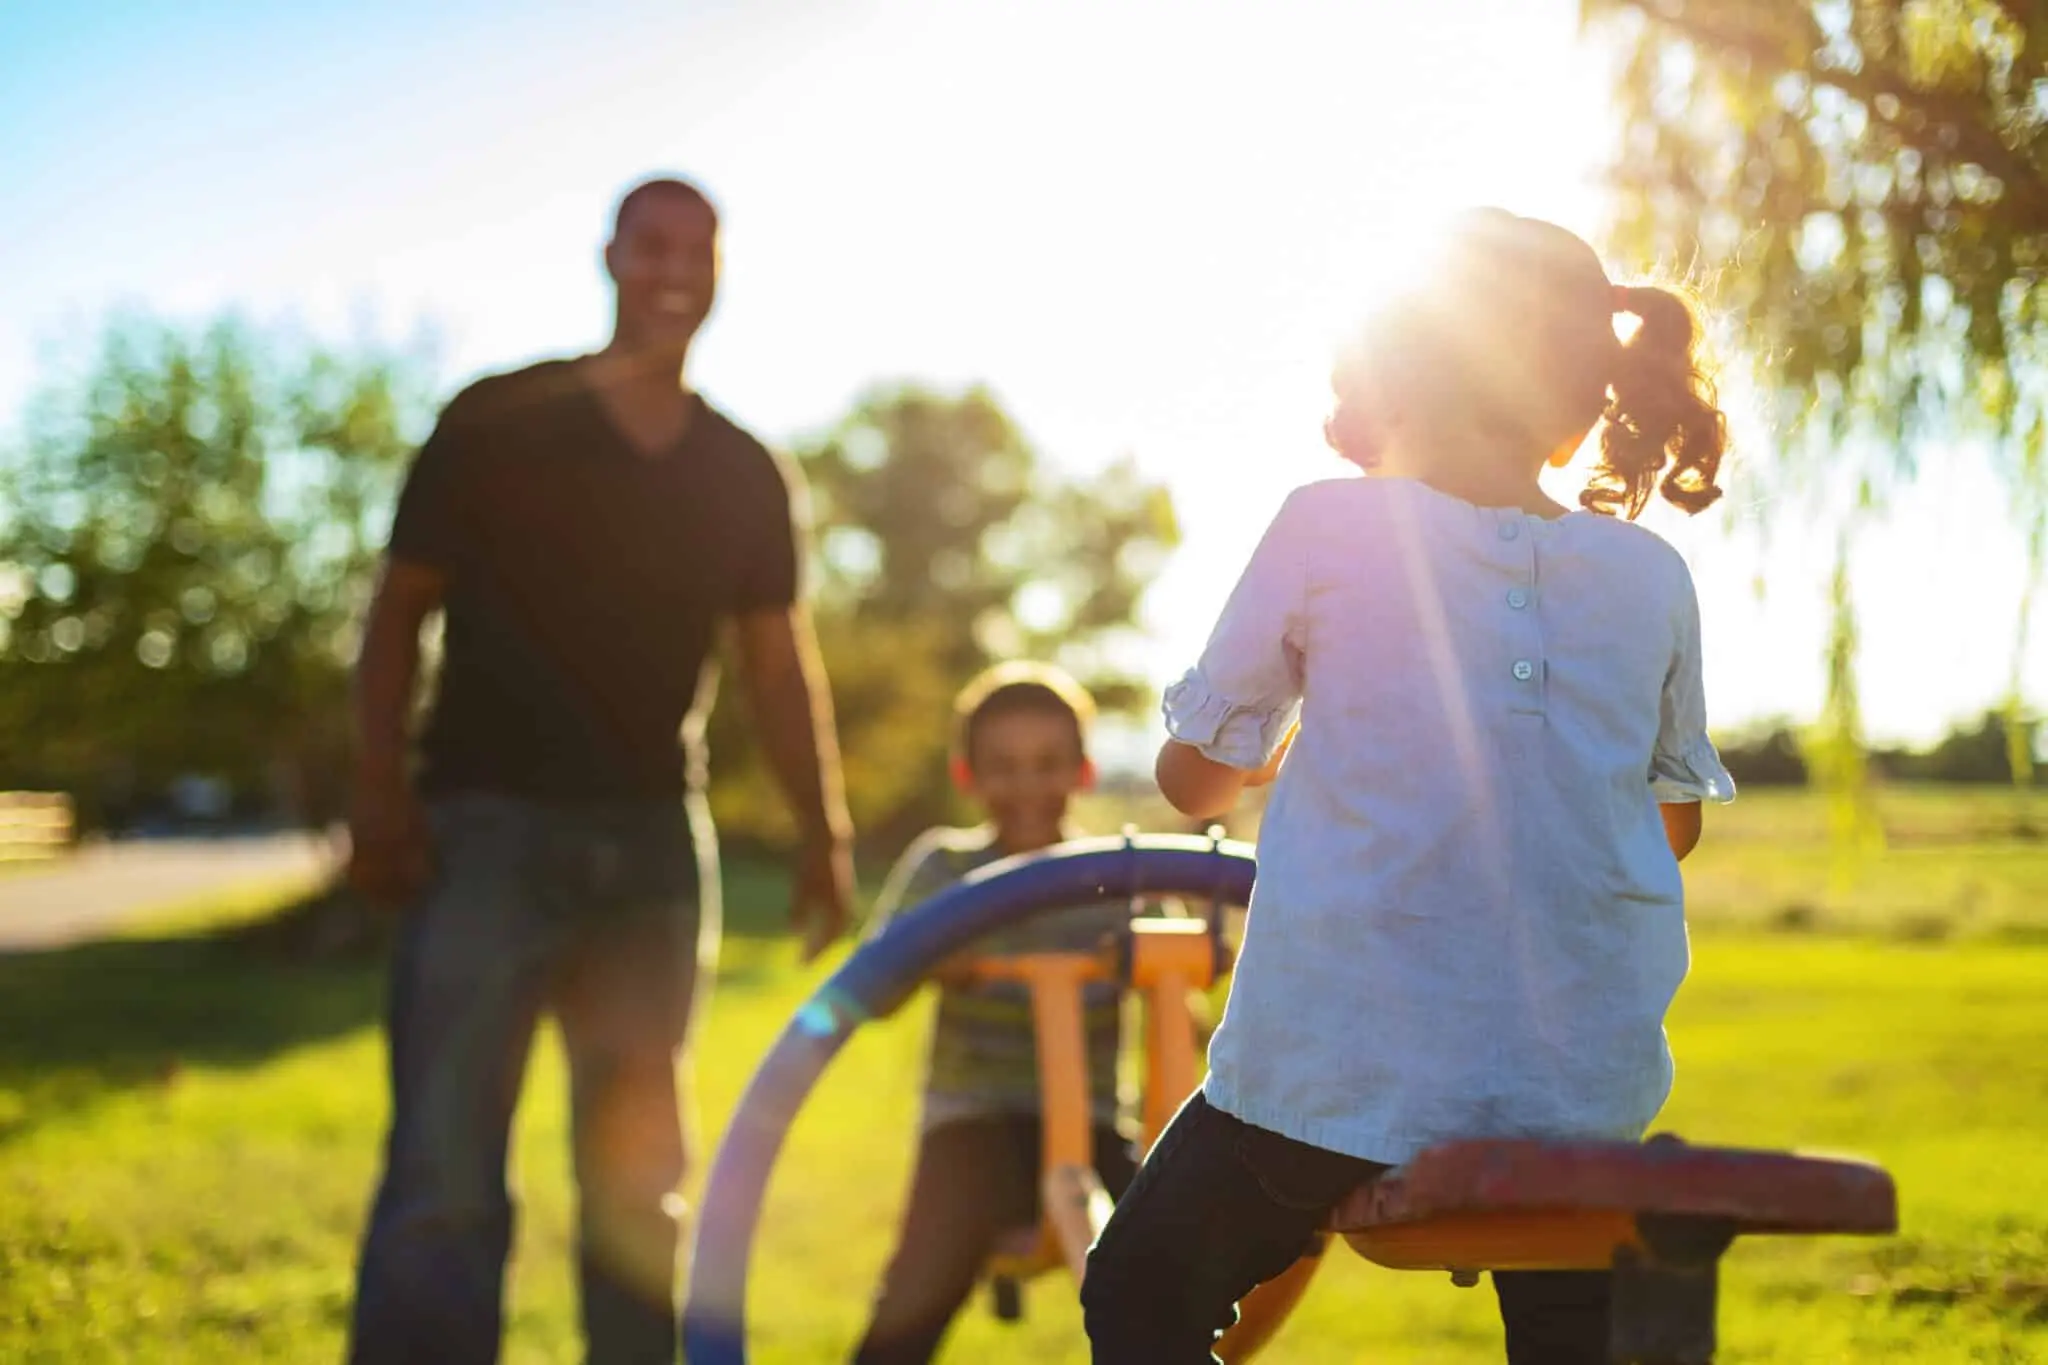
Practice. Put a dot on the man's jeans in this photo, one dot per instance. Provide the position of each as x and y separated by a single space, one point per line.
592 912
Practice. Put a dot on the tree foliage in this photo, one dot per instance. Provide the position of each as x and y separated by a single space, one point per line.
943 541
189 532
1974 752
1864 184
186 537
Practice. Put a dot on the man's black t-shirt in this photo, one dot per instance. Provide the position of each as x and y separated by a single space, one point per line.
585 585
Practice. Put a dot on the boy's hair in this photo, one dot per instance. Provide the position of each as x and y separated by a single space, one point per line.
1515 323
1021 686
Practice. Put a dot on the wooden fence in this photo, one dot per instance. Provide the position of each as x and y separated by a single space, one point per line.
34 825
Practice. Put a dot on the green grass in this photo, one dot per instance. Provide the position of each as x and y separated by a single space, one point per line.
189 1122
1956 863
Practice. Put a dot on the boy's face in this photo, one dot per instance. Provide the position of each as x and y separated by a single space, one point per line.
1024 768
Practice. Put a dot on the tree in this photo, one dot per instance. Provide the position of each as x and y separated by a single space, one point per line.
1977 752
1764 754
186 542
1865 184
943 542
189 531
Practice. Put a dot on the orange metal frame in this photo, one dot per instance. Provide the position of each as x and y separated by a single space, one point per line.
1460 1206
1168 959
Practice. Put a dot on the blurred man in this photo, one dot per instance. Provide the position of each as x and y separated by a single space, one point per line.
588 526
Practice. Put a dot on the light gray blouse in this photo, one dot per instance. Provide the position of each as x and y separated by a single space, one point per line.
1467 920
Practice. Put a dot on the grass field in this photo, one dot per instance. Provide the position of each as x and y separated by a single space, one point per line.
189 1119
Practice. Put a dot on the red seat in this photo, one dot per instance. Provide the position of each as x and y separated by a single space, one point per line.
1516 1205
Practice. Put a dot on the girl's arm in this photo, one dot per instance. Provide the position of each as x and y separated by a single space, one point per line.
1684 767
1222 717
1197 786
1681 826
1201 788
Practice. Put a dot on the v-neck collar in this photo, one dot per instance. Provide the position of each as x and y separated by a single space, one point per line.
629 445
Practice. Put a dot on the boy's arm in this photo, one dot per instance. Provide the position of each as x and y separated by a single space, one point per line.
922 871
919 871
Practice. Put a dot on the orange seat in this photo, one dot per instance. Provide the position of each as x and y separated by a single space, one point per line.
1525 1205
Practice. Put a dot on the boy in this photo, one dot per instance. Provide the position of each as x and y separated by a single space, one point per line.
1020 753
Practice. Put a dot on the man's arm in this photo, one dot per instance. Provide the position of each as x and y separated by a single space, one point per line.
387 832
792 710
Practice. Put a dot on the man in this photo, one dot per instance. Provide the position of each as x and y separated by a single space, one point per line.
588 526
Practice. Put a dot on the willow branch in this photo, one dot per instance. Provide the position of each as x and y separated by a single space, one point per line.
2025 185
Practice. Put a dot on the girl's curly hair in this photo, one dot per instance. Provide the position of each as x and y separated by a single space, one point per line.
1660 410
1518 329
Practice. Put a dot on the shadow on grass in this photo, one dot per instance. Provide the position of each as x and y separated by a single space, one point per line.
81 1023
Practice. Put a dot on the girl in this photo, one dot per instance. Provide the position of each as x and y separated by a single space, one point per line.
1468 920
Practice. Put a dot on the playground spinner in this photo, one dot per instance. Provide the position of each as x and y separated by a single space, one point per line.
1658 1213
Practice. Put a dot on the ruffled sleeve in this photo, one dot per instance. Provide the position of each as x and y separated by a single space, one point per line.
1692 773
1242 735
1238 701
1684 765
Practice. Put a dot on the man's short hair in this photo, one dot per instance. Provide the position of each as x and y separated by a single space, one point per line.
1021 686
655 187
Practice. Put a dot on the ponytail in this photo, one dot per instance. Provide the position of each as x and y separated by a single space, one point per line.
1661 407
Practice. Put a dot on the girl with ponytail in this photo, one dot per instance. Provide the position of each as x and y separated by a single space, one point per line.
1469 920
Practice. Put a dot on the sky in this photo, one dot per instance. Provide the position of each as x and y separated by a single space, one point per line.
1145 226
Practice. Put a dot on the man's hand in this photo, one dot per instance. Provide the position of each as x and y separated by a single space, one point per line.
390 853
821 903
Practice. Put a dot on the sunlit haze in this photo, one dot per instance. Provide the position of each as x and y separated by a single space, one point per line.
1145 226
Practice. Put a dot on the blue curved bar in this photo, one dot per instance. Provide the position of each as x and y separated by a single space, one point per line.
873 982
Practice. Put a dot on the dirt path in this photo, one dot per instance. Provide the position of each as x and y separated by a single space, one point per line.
96 889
